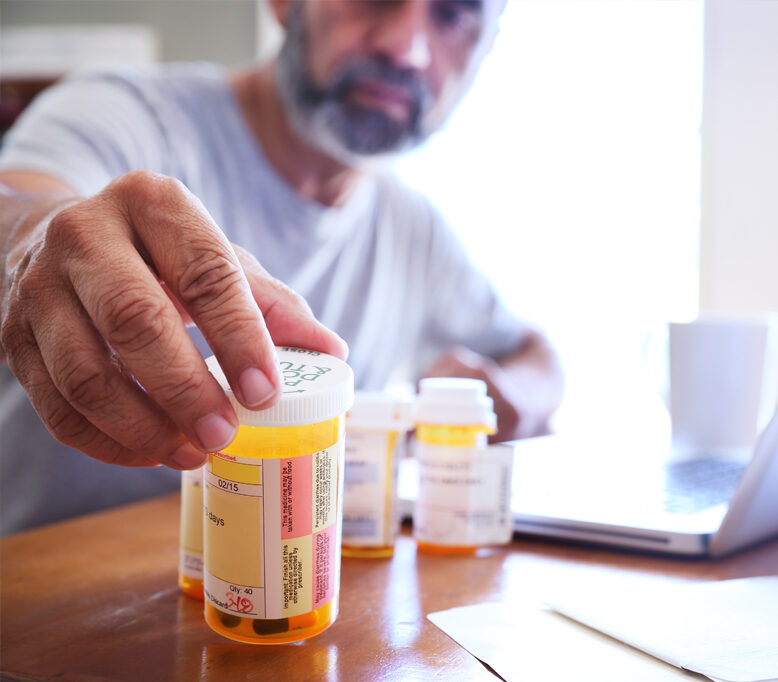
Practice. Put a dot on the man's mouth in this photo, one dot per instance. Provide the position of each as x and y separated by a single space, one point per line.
393 100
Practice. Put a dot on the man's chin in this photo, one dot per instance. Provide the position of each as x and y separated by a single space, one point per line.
357 137
370 131
358 159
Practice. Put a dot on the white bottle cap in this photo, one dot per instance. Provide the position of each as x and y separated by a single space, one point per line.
380 411
454 401
315 387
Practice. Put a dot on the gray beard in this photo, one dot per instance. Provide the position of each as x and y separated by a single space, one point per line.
356 136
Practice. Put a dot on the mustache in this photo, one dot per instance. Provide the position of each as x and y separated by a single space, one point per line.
381 69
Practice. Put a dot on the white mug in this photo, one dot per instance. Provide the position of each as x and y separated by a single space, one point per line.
723 381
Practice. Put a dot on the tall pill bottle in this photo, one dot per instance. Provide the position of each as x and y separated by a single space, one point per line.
454 418
375 441
190 552
273 507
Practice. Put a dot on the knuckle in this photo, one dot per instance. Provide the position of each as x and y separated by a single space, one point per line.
292 297
209 281
69 427
30 288
113 453
133 323
231 323
68 230
148 188
180 391
87 387
64 220
149 436
14 335
286 298
297 301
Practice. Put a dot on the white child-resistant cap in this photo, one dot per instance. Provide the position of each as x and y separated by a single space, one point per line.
381 411
315 387
454 401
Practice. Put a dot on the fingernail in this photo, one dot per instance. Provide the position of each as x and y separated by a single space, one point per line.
214 432
186 457
255 387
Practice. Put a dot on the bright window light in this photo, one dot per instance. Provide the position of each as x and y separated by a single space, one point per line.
571 172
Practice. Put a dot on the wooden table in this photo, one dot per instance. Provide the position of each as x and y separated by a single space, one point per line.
96 598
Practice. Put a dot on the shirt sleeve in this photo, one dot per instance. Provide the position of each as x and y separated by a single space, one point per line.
85 131
463 306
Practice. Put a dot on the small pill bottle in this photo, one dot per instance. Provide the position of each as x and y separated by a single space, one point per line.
190 550
375 442
273 507
454 418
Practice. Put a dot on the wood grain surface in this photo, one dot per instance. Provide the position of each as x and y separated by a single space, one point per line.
96 598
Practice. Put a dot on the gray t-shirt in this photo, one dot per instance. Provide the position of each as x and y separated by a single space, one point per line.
383 270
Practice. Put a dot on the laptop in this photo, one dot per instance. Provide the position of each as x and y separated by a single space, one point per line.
632 496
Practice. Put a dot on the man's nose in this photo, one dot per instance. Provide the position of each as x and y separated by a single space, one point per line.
402 34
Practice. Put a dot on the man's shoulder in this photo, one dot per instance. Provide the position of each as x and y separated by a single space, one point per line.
169 80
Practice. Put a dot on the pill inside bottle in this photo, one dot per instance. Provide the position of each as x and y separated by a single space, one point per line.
273 507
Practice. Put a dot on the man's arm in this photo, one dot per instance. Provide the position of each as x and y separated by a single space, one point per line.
526 385
91 305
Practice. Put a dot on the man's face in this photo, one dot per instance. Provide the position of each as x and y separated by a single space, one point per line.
361 78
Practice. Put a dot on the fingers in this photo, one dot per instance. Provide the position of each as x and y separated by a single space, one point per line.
63 422
82 394
287 315
93 383
462 362
104 354
198 265
137 320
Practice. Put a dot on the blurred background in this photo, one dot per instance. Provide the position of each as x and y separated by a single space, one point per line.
42 39
614 167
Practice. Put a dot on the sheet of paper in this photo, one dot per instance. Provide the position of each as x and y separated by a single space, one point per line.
727 630
528 642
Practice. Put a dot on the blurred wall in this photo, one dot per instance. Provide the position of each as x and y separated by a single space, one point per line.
226 31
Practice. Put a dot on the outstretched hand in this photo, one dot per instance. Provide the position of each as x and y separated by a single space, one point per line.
93 324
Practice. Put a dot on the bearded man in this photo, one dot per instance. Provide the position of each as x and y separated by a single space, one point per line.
259 205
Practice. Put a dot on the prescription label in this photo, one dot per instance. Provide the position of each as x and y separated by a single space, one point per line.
464 495
190 557
271 541
370 482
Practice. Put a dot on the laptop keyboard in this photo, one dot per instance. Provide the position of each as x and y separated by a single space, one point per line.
694 485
